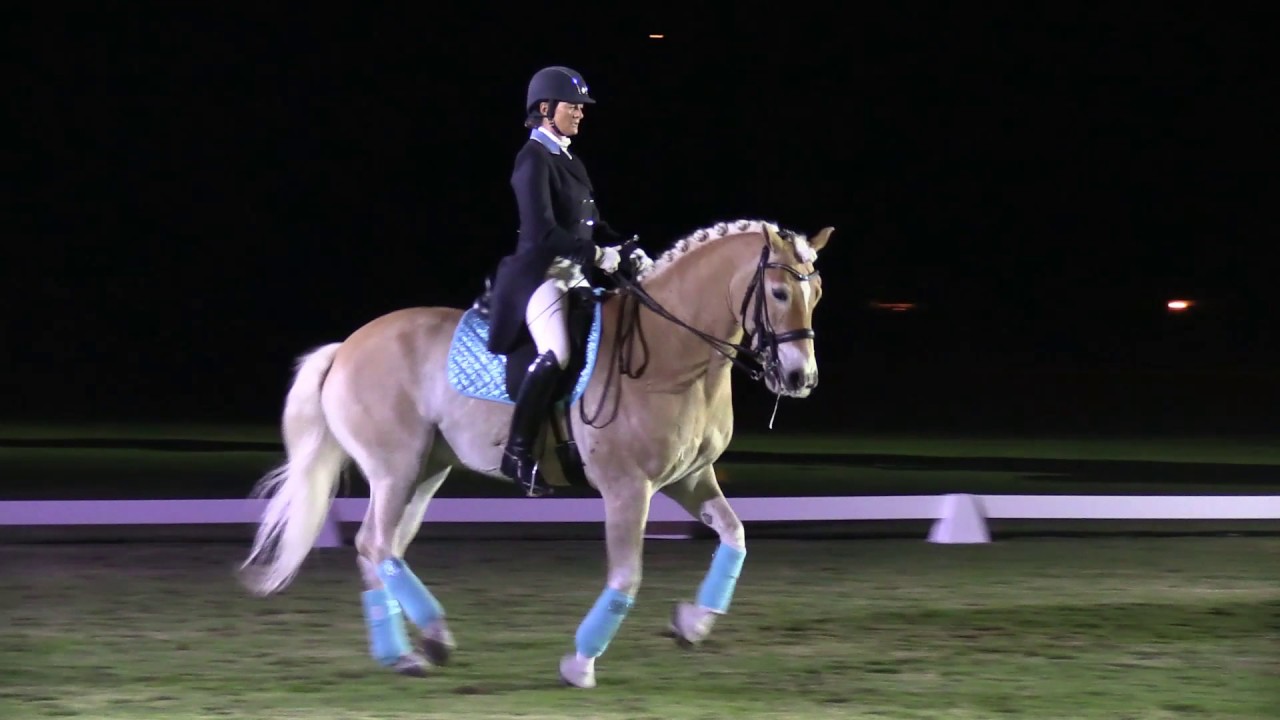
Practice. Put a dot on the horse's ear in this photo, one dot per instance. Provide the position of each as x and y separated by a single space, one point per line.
819 241
776 243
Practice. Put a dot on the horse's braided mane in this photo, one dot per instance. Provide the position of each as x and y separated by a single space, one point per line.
702 236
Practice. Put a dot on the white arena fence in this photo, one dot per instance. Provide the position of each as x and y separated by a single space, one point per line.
957 518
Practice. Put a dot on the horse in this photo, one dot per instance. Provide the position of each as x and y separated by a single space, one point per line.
740 294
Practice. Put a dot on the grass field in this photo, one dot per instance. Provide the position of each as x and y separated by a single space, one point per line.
1100 628
1257 450
1164 628
112 461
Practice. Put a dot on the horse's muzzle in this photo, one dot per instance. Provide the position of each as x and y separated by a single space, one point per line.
791 383
800 381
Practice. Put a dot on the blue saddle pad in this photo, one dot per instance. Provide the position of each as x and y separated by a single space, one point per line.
478 373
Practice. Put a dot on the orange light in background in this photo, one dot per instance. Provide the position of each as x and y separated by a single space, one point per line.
893 306
1178 305
656 36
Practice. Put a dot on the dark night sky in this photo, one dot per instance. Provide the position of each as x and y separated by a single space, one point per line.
200 195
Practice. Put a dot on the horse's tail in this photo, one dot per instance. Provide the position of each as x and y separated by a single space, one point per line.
302 488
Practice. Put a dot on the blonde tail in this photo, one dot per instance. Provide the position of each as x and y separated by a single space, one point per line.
301 489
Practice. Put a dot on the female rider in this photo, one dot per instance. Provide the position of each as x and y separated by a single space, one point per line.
561 232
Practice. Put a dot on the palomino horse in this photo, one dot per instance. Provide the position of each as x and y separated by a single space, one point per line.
381 399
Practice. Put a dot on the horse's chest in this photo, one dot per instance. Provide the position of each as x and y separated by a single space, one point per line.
694 451
693 431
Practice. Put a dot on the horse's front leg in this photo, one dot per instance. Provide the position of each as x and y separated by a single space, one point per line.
626 512
700 495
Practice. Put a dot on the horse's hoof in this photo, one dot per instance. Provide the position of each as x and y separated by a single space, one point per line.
437 644
437 652
578 673
690 624
412 665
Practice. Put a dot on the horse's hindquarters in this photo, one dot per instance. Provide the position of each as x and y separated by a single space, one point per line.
384 390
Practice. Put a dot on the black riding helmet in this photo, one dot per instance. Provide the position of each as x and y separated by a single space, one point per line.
556 84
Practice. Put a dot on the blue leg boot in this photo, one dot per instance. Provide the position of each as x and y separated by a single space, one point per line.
716 591
691 623
593 637
420 606
388 640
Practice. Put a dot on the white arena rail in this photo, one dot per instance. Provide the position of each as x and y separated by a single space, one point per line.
958 518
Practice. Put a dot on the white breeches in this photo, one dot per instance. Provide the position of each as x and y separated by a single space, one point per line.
548 306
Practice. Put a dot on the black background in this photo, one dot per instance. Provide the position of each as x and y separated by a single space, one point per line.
202 192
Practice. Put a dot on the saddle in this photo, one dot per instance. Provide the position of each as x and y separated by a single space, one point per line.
476 372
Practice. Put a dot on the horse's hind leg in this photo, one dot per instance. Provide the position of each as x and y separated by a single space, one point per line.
392 591
437 641
700 496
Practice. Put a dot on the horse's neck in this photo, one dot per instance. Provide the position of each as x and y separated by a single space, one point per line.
702 290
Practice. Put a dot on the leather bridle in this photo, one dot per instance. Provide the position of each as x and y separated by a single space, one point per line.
760 346
757 355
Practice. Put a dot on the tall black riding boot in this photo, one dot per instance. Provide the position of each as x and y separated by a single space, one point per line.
532 405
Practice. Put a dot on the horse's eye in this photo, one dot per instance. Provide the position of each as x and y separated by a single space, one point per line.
780 294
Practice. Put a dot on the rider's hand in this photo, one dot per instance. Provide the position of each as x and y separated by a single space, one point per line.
640 260
608 259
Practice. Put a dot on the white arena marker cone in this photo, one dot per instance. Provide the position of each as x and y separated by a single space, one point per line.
961 521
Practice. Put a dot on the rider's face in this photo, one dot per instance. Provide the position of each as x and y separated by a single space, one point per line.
567 117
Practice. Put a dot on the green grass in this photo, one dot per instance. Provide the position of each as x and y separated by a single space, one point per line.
754 480
1101 628
238 432
90 473
1195 449
1226 450
941 464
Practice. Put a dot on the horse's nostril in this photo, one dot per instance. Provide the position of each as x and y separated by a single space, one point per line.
795 380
